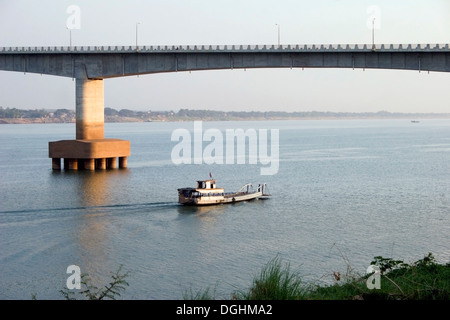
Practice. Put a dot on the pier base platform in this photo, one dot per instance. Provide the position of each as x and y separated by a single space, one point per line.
95 154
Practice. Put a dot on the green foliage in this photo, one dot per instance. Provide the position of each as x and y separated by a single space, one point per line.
424 279
11 113
199 295
427 261
35 114
275 282
388 264
110 291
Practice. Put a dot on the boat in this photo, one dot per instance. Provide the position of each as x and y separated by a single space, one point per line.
207 193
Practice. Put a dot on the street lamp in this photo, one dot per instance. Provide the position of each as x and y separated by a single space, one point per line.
373 34
138 23
70 37
278 33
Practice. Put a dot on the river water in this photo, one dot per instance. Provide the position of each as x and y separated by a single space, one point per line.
345 191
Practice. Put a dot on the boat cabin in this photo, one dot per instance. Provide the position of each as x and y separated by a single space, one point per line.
206 184
205 189
208 187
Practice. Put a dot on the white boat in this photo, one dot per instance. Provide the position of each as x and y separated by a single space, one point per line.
207 193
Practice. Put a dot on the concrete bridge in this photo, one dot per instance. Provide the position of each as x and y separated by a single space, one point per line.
90 65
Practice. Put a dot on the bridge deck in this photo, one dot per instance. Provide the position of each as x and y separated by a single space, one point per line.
230 48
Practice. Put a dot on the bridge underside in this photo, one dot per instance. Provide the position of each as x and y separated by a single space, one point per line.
158 63
102 63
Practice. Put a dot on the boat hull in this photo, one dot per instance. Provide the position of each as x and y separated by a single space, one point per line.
207 201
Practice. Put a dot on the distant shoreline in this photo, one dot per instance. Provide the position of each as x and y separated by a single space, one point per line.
19 116
131 120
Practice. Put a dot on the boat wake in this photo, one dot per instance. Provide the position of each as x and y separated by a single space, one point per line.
100 207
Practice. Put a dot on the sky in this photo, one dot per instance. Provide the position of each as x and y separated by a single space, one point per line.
232 22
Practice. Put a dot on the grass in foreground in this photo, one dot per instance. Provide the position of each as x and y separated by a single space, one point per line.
275 282
424 279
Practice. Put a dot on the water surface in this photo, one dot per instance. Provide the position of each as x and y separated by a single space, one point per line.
346 191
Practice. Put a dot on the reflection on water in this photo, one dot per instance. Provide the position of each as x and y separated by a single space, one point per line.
94 192
203 212
95 188
210 212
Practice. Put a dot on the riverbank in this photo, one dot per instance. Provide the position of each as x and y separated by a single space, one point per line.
19 116
389 279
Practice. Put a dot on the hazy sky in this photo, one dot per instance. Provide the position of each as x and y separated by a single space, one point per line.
220 22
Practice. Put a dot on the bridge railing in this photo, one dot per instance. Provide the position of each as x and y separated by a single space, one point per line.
225 48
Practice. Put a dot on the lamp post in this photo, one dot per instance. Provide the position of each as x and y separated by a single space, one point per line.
373 34
70 37
138 23
278 33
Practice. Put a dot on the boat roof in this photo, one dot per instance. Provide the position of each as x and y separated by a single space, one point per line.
209 180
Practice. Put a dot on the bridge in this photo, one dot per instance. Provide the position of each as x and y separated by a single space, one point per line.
90 65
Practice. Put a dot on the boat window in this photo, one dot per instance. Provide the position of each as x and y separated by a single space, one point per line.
186 193
201 184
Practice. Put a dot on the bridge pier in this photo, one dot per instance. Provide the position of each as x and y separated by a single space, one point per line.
56 163
90 151
89 164
90 113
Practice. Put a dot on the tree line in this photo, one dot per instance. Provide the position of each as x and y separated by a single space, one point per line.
188 114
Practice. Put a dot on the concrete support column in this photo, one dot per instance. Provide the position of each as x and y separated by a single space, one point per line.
100 164
71 164
112 163
89 96
122 162
56 163
89 164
